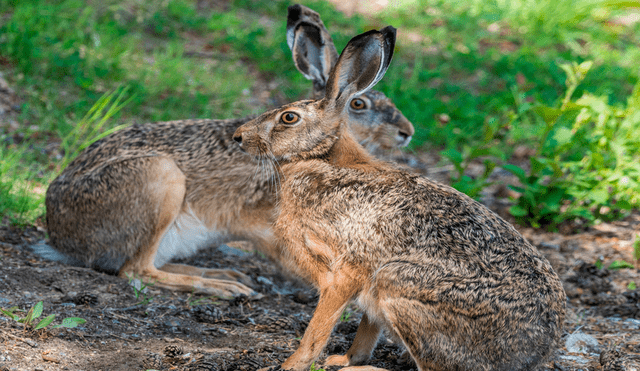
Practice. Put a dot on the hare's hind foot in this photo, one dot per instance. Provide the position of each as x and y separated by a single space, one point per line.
194 284
217 274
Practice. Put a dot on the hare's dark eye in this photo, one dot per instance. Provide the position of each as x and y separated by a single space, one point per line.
357 103
289 118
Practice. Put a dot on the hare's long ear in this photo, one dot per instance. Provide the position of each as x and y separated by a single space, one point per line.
311 46
361 65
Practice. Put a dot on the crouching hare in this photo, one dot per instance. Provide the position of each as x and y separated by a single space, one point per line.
143 195
452 281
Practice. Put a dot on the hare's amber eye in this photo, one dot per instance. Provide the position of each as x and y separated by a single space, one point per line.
357 103
289 118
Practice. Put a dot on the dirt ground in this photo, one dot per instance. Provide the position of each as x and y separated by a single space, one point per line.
180 331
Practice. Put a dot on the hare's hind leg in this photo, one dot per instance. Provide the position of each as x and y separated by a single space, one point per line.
165 186
450 318
212 273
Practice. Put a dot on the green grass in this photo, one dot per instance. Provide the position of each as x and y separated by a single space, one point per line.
21 190
486 65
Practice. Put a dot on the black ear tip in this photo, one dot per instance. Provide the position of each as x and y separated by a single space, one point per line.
389 32
293 12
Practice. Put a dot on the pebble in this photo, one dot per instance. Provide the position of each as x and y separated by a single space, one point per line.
581 343
50 357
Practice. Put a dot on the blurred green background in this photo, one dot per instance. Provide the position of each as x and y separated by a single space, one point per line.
479 79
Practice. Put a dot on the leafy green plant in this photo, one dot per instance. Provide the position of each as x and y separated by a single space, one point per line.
632 286
586 164
542 191
541 194
313 368
636 249
30 320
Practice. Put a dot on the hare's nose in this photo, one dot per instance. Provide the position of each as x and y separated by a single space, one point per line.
403 138
238 138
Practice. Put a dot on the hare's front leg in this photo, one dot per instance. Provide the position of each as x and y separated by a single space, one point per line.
362 347
335 293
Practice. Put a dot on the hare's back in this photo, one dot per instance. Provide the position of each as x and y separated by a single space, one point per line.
400 213
185 141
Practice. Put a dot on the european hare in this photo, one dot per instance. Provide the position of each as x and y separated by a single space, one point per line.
143 195
457 285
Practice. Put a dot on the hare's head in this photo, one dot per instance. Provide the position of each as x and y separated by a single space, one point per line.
373 118
309 129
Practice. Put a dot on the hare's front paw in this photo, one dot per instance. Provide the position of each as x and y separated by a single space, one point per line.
337 360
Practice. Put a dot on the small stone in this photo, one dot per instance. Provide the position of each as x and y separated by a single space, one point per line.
50 357
581 343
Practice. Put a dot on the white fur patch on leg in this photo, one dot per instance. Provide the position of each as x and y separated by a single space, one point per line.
185 237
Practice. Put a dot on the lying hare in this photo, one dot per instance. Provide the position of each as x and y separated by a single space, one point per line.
457 285
148 193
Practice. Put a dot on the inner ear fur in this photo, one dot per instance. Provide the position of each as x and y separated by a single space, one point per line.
361 65
312 48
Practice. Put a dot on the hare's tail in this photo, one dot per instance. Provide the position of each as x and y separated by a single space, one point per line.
48 252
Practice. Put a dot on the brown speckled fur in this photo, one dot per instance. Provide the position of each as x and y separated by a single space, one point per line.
451 280
140 196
